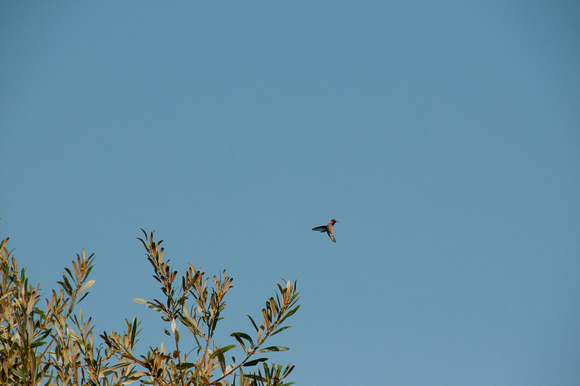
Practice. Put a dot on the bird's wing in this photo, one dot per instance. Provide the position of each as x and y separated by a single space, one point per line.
320 228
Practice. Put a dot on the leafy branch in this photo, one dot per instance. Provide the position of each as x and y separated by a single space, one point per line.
54 344
198 306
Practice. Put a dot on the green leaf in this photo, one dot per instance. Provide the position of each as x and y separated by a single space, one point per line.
274 348
279 330
37 344
243 335
255 362
184 366
288 370
221 359
222 350
256 377
228 348
134 332
254 323
190 326
82 297
290 313
241 342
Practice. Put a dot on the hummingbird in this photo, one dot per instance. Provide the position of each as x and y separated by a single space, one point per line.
328 228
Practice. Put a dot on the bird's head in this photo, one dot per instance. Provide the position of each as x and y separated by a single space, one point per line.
333 221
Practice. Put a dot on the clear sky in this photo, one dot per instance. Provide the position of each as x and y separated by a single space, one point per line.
444 136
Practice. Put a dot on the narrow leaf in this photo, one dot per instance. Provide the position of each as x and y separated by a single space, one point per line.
184 366
241 342
279 330
228 348
255 362
254 323
274 348
243 335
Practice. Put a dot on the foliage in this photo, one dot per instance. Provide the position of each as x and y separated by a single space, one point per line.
54 345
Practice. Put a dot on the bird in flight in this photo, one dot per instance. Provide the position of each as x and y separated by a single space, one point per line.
328 228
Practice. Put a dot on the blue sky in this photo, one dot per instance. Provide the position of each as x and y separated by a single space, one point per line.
444 136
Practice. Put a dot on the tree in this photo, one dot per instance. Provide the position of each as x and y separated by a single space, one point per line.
55 345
